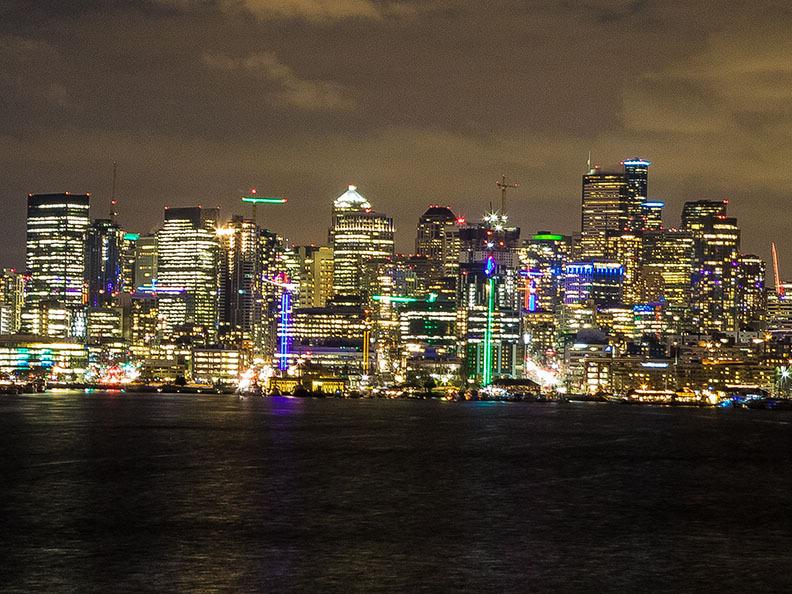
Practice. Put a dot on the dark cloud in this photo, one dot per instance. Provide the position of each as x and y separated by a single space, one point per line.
415 102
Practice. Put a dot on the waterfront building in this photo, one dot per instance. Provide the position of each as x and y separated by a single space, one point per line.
12 298
48 358
55 254
105 324
218 367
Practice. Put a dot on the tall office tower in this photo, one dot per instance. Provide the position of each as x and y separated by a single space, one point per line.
239 287
597 282
12 297
603 201
128 252
652 215
636 174
103 264
751 295
543 258
145 261
311 267
717 245
438 240
626 248
271 271
55 261
696 212
488 300
358 235
666 272
187 261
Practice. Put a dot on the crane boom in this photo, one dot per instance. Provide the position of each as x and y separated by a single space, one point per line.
779 287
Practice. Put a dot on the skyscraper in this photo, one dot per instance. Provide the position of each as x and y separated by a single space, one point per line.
717 245
145 272
187 252
751 295
55 256
603 209
636 174
103 262
358 235
240 284
438 240
12 296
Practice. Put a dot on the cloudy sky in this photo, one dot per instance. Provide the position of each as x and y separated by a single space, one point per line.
415 102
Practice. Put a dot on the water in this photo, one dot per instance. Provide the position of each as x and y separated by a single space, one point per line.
113 492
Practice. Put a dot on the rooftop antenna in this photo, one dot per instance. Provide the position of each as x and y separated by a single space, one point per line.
504 185
113 201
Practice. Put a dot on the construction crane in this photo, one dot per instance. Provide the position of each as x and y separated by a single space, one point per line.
779 287
504 185
255 199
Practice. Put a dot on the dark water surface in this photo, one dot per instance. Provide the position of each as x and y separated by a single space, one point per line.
112 492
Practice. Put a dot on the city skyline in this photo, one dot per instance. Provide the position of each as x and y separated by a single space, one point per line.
401 109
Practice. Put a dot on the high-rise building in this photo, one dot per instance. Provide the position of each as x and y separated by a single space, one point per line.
543 259
717 245
187 262
128 253
103 262
358 235
626 248
651 215
55 259
667 268
751 295
600 282
145 272
438 240
240 283
312 270
12 297
603 200
636 174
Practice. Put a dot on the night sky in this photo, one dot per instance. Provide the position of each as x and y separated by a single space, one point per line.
415 102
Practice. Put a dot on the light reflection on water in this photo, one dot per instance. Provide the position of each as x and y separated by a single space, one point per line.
110 492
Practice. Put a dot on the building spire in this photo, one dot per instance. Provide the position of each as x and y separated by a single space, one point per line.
113 201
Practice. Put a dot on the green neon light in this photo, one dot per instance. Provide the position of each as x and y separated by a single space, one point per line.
430 298
395 299
131 236
548 237
487 374
263 200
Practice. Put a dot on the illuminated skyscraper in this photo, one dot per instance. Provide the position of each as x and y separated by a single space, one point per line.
667 268
626 248
103 262
145 261
543 258
311 267
636 174
600 282
128 253
604 198
358 235
55 261
751 295
438 240
56 230
717 245
651 215
187 251
239 285
12 297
